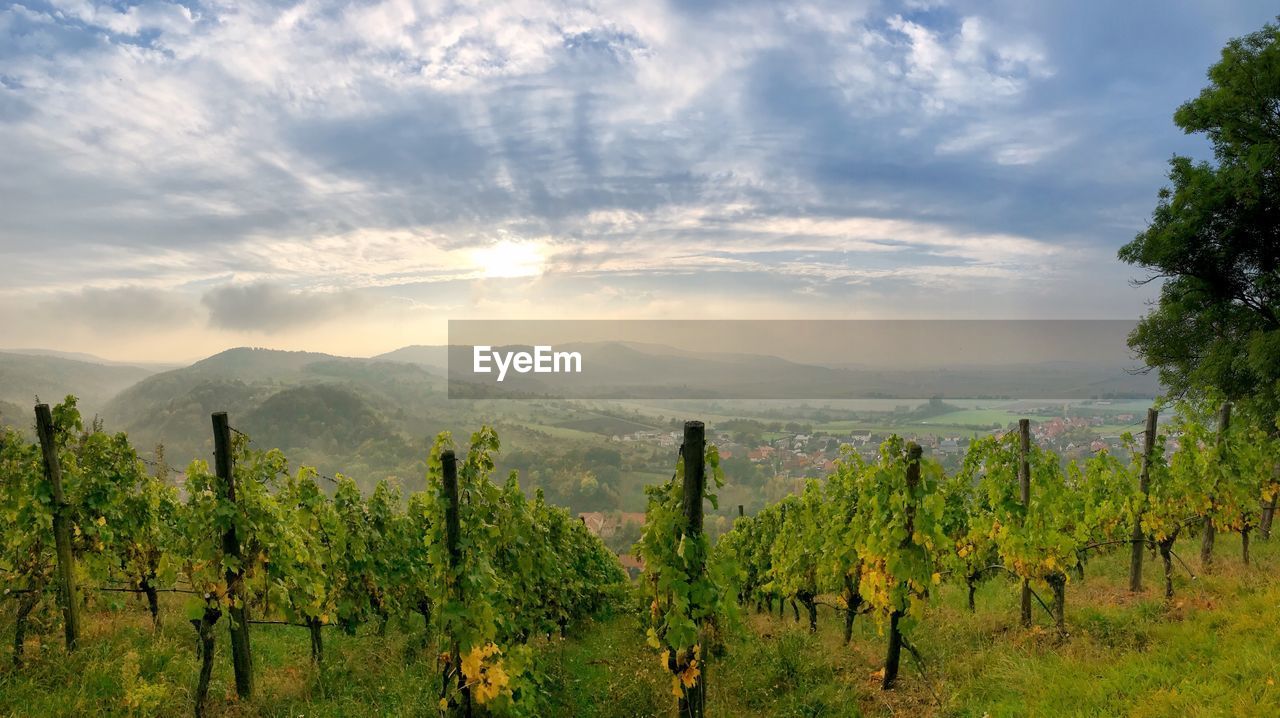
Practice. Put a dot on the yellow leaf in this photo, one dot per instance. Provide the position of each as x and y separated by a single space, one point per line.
652 637
471 663
497 676
690 675
485 692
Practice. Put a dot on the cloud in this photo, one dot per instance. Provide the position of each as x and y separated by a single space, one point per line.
304 156
969 66
264 307
123 309
1011 141
169 19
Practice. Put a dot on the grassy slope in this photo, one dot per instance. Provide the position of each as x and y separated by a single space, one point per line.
1214 652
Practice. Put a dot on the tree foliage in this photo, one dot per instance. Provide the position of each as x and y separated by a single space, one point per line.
1214 238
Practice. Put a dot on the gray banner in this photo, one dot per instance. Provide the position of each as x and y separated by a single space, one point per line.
808 359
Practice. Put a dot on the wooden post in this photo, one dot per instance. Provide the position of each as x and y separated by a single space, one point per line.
238 611
204 630
693 702
1269 516
1210 531
1024 489
453 547
1269 510
893 656
740 512
67 595
1144 488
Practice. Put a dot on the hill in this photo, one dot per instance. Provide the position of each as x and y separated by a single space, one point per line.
255 364
322 409
333 427
374 417
93 358
26 377
367 418
434 357
626 370
14 415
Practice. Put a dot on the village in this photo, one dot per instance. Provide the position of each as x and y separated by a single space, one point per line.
763 465
814 453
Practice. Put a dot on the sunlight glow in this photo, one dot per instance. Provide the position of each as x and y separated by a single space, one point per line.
509 259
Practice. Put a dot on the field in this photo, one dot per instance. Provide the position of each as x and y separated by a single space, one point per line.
1213 651
976 417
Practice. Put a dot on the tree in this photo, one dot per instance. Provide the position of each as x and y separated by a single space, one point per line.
1214 238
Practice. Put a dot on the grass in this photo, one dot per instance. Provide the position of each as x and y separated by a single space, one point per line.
630 487
984 418
1213 651
560 432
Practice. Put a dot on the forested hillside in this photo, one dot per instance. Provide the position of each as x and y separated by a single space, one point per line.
23 377
318 405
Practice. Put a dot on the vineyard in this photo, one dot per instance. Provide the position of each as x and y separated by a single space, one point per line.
485 568
489 602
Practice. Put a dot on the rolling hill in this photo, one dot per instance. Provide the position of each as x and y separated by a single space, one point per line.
375 417
326 410
432 357
26 377
618 370
14 415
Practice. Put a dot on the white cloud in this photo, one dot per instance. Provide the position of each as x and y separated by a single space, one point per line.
170 19
971 67
329 147
1010 141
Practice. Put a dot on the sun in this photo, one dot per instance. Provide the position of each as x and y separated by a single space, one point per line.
509 259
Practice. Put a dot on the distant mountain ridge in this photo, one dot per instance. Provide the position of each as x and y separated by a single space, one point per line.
291 399
92 358
376 416
24 377
620 370
432 356
14 415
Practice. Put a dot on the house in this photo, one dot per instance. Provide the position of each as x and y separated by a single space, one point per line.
728 450
633 564
606 524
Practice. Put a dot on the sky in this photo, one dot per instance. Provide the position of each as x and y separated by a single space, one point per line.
177 178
